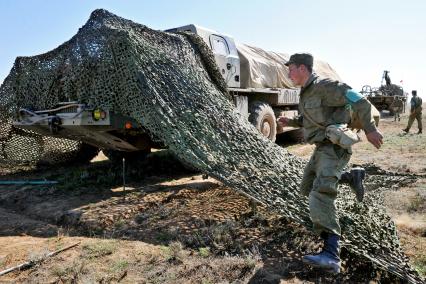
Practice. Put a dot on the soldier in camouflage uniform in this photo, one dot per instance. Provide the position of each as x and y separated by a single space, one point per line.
415 112
397 106
326 102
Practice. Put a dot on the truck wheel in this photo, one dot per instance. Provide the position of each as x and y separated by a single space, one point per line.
263 118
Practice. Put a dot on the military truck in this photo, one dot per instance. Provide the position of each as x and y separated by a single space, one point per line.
257 80
388 97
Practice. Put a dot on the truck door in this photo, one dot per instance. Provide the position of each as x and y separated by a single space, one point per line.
222 56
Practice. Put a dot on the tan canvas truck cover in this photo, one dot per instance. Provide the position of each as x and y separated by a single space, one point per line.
265 69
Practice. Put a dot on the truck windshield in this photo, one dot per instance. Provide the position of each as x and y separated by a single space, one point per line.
219 45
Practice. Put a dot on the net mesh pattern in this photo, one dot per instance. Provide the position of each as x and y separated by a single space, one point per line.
170 83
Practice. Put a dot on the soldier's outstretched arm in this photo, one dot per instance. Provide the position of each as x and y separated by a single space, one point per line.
364 109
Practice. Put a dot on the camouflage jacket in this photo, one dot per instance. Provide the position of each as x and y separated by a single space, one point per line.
398 102
416 104
326 102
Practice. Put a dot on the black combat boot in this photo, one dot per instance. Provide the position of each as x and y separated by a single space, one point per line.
406 130
420 131
355 178
329 258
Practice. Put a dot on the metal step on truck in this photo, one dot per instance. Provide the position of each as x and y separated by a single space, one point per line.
257 80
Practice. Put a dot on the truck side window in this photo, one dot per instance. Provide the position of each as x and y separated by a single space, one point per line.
219 45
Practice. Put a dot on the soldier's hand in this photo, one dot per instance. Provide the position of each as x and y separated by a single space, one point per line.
283 121
375 138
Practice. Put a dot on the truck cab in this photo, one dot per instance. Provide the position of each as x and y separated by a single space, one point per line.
224 50
261 103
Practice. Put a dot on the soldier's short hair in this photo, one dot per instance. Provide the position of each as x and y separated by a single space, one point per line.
414 92
301 59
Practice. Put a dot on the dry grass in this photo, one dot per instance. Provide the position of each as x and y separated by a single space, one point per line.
407 206
400 151
111 261
99 248
186 232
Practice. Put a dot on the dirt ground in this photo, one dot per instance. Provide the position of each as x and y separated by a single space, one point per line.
173 226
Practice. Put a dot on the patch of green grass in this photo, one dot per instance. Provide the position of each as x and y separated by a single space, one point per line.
56 241
420 265
77 177
220 237
250 262
165 249
99 249
165 236
415 203
72 271
61 271
163 276
119 224
119 265
174 252
223 234
204 252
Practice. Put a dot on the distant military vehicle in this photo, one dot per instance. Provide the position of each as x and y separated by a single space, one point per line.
386 97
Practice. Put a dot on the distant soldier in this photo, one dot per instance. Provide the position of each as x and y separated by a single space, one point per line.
387 78
397 107
415 112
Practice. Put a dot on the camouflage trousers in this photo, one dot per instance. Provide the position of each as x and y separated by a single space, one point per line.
320 184
397 116
412 117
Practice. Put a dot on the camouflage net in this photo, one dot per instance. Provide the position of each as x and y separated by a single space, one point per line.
171 84
391 90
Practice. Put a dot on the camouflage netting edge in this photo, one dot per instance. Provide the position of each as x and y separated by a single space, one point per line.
170 84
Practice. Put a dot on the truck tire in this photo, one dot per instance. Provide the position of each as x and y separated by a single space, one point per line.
263 118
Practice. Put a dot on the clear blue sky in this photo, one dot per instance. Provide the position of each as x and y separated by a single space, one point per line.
359 38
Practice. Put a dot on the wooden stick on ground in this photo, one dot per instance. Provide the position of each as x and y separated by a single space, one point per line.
28 264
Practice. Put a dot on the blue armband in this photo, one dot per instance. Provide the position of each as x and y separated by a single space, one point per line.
353 96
